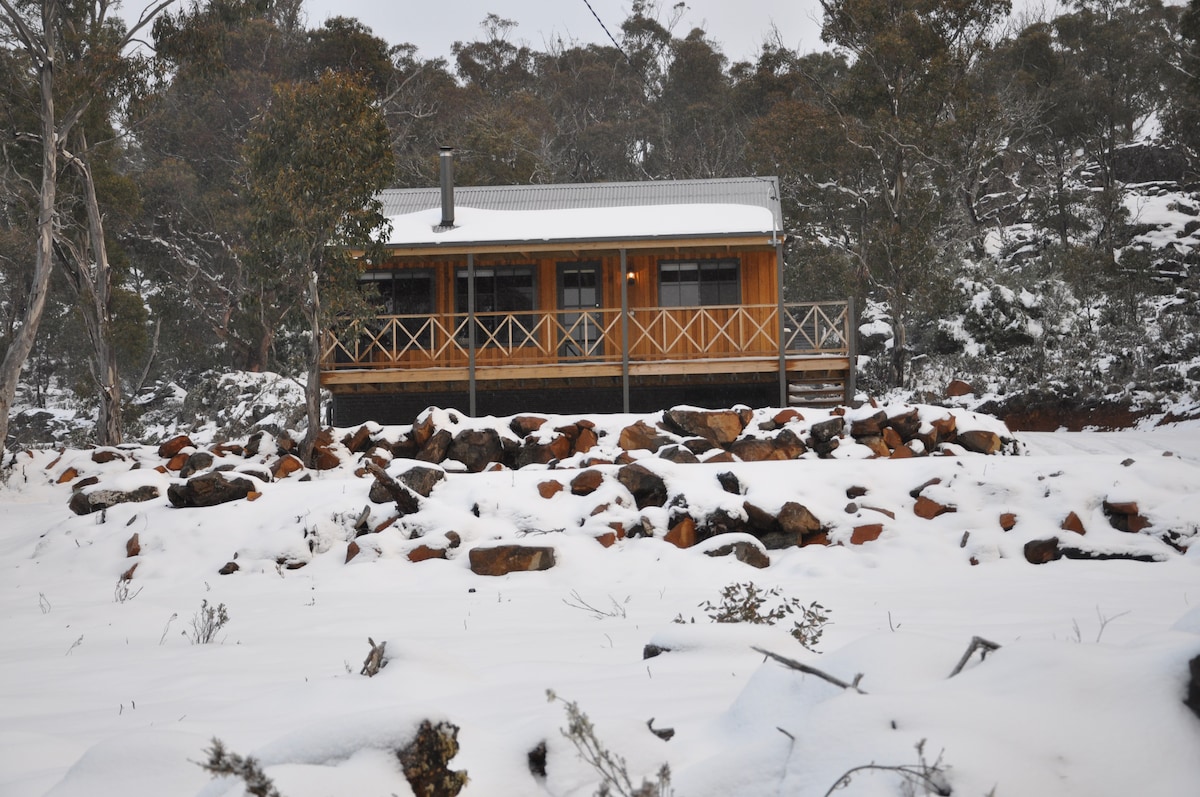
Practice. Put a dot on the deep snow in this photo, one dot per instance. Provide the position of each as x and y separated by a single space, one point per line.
1084 696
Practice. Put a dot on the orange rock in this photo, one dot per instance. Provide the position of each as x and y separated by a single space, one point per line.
423 552
718 426
866 533
253 495
104 455
641 435
177 462
979 441
876 444
608 539
682 534
587 482
795 518
68 475
820 538
549 489
958 387
902 451
128 574
787 416
133 546
946 428
929 509
1072 522
1125 516
502 559
421 432
169 449
325 459
892 438
1008 521
755 449
385 524
586 441
286 466
359 441
352 550
523 425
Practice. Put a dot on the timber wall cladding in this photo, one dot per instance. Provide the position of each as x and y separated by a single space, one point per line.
682 333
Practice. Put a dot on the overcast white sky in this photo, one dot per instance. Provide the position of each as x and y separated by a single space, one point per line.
740 26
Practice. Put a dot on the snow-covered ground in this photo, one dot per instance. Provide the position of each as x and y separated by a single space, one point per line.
100 696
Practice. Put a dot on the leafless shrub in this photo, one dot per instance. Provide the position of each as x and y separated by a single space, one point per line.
207 622
749 603
612 769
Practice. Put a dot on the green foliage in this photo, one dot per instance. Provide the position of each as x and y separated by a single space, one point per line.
314 163
749 603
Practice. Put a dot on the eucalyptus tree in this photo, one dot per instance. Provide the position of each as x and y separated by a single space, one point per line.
75 55
1182 119
897 111
315 161
219 61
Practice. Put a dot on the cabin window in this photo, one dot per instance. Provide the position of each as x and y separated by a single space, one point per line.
697 283
502 293
407 294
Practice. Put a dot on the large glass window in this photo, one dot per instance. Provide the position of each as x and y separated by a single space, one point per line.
408 292
698 283
404 293
501 293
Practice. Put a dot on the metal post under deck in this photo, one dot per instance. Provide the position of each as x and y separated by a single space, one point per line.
471 335
624 335
851 386
783 385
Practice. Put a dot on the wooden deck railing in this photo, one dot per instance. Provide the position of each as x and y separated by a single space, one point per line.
590 336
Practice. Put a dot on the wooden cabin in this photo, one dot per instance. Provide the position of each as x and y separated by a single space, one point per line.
603 297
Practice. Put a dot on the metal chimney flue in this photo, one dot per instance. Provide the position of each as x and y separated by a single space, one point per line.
446 161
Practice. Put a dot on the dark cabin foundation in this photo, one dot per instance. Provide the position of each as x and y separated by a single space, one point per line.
579 396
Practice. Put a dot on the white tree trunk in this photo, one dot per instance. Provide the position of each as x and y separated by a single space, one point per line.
44 52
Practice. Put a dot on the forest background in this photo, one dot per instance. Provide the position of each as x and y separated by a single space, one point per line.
1012 201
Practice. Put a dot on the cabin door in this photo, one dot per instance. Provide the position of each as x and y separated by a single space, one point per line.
580 322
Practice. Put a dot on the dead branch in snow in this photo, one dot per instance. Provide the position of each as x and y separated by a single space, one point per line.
805 668
977 643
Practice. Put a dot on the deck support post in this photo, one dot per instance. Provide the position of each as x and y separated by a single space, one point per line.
851 334
784 399
624 334
471 409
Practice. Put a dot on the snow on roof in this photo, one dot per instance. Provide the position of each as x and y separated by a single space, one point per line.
475 225
587 211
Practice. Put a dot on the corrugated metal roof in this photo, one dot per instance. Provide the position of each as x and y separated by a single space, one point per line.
760 192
